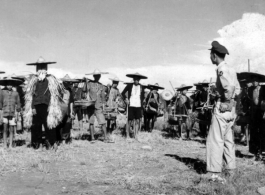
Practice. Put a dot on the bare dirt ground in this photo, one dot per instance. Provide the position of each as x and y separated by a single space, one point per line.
166 166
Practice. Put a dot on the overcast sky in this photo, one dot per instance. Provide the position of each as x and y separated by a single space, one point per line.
164 39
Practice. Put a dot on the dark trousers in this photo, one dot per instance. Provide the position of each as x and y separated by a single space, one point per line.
36 131
257 133
63 130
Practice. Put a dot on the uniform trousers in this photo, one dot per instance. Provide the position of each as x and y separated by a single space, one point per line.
39 119
220 147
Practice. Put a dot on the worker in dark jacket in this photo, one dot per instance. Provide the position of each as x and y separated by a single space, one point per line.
134 101
183 107
9 103
40 103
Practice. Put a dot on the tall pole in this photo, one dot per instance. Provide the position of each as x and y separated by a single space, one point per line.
248 65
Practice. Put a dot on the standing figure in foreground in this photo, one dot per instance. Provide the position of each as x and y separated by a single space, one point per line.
220 145
112 102
68 114
42 105
152 107
78 111
9 103
257 123
183 109
134 101
95 91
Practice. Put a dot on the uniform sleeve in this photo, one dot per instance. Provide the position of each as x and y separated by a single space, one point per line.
227 81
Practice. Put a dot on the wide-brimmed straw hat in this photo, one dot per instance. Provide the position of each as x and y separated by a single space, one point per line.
205 82
14 76
40 61
251 76
155 86
136 75
41 64
116 79
67 78
10 81
197 84
183 87
167 95
97 72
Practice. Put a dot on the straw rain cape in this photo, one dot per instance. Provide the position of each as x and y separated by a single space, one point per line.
54 110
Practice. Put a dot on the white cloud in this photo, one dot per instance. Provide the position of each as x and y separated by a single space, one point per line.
245 39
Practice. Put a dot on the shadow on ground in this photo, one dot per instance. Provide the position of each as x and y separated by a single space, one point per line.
196 164
240 155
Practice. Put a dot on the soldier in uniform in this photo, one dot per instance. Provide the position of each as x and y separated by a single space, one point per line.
94 90
220 141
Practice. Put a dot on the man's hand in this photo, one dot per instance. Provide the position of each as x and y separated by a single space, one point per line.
72 115
127 101
34 112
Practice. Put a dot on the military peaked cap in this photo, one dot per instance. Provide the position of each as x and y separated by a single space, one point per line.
216 46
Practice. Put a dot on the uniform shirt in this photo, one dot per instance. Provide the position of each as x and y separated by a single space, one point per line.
135 100
95 91
227 85
9 101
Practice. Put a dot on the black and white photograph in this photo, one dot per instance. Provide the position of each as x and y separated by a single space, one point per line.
132 97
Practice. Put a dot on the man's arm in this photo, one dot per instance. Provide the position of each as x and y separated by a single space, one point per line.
125 90
229 89
227 84
18 102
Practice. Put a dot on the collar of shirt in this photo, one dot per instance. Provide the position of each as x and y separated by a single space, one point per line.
223 63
